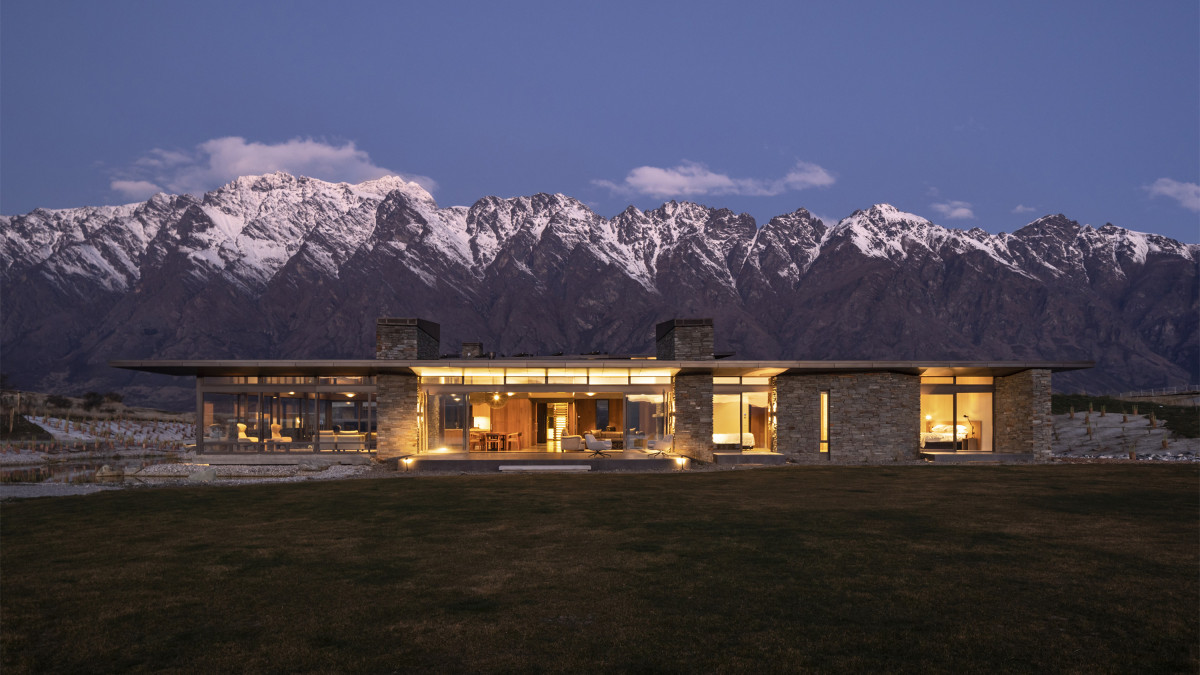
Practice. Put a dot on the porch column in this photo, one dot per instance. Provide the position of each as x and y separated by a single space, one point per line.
396 403
693 394
1022 413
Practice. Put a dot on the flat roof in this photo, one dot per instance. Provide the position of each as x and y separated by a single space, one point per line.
718 367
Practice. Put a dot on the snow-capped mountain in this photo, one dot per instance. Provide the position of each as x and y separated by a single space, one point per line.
278 266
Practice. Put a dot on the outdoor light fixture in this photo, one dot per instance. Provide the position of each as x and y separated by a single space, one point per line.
680 461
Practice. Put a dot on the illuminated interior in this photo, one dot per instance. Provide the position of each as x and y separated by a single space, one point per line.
956 414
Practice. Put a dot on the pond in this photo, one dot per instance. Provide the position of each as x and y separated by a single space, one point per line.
83 471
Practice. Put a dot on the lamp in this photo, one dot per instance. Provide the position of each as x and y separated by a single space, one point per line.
929 423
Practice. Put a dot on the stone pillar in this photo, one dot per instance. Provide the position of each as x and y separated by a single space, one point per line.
873 417
396 398
693 395
684 340
472 350
406 339
1022 414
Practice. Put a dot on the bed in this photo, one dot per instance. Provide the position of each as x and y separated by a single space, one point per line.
731 441
941 437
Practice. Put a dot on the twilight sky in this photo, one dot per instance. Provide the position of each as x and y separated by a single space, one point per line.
971 115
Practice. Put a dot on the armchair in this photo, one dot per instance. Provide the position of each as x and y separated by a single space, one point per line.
242 437
660 446
597 448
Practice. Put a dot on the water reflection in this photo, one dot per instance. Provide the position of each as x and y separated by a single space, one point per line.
77 472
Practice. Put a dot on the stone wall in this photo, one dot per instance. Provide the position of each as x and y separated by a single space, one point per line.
397 338
684 340
873 417
397 399
693 394
1022 413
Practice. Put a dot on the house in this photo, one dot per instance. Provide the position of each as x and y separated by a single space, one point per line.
684 402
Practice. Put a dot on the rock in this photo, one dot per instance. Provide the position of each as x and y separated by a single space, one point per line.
107 471
206 475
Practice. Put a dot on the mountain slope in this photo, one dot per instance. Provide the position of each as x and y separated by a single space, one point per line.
277 266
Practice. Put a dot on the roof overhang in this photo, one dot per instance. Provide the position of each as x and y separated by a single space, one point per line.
719 368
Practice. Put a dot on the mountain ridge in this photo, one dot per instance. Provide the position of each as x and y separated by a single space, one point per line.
294 267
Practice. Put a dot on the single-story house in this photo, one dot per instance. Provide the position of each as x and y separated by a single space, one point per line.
685 401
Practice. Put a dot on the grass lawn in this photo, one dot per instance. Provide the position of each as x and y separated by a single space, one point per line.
1081 568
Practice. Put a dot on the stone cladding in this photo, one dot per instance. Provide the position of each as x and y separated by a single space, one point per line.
873 417
406 339
472 350
1022 413
397 401
684 340
693 394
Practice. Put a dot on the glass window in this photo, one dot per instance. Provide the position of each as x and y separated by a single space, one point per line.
219 417
727 422
525 375
447 418
756 380
937 380
567 376
483 376
938 430
975 415
440 375
824 421
727 380
973 380
602 410
608 375
342 380
645 419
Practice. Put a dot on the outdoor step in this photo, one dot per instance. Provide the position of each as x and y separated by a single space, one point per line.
545 467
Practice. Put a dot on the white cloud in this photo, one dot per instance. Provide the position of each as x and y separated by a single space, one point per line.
218 161
1021 208
954 210
692 179
135 189
1187 194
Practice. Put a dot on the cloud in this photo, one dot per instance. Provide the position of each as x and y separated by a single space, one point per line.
691 179
953 210
1187 194
1021 208
218 161
135 189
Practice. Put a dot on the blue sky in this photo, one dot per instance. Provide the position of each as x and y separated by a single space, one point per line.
970 114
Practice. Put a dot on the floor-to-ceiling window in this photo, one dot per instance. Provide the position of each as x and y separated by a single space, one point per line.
740 414
287 414
956 413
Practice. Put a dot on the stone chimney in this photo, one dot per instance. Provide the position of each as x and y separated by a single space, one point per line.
684 340
407 339
472 350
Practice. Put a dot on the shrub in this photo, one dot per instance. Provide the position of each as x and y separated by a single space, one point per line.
92 400
56 401
113 397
